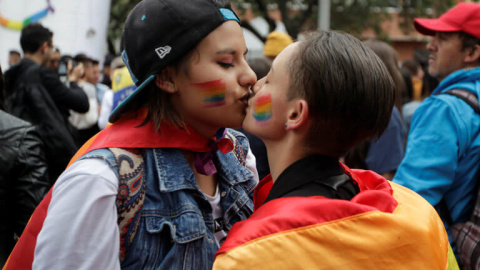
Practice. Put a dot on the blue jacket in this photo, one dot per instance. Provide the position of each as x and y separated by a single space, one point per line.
176 226
386 152
442 158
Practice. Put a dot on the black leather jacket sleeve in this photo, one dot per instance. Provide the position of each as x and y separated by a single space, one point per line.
31 183
67 98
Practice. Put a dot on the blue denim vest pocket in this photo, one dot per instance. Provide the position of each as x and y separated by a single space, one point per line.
175 230
184 227
170 240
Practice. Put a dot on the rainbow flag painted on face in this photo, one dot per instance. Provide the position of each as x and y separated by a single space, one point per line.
213 92
263 108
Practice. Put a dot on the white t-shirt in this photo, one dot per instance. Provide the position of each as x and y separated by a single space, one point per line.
218 225
81 230
90 118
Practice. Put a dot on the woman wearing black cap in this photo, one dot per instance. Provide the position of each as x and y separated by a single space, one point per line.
162 186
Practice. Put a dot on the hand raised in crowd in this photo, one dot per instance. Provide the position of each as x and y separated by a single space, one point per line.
76 72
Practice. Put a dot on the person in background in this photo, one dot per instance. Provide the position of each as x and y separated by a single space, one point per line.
428 84
416 73
383 154
106 80
407 78
94 78
87 123
274 44
54 61
389 57
122 87
443 149
323 95
23 175
14 57
36 94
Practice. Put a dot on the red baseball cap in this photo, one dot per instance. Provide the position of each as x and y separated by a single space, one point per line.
464 17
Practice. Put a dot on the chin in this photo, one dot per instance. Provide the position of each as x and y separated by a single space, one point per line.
233 123
247 126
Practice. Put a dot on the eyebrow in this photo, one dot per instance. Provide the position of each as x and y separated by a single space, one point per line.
230 51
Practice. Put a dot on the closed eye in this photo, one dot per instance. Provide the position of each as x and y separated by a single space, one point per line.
225 64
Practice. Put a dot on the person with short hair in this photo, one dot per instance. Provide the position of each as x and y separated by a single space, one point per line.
14 57
443 150
54 62
47 106
322 96
107 70
160 187
87 123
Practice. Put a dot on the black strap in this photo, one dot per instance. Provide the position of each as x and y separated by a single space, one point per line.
444 212
470 98
333 187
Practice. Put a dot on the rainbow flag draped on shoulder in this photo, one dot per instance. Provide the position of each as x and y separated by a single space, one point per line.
129 132
386 226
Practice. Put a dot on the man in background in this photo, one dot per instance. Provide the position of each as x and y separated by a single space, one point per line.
14 58
36 94
443 151
54 61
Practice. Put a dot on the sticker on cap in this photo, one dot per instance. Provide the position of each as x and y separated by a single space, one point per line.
127 64
229 15
162 51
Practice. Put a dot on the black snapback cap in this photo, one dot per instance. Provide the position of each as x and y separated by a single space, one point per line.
157 33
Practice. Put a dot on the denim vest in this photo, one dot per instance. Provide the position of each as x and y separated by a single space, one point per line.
176 225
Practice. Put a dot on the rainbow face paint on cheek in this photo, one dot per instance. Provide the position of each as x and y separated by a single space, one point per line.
262 108
213 93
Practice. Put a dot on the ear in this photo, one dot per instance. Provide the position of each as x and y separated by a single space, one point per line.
298 115
43 47
473 54
165 80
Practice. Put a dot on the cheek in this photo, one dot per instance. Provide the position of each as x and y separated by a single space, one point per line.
263 109
211 92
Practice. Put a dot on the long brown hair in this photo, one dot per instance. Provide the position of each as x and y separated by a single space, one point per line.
389 57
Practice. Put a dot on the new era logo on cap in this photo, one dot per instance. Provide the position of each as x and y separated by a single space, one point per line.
162 51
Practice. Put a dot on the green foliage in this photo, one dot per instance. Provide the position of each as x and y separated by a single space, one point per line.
411 9
352 16
119 10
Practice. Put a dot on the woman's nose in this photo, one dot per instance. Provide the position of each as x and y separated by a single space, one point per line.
248 77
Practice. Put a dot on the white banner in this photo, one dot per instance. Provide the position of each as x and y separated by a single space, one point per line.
78 26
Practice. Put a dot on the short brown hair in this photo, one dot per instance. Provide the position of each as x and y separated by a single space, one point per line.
348 89
468 40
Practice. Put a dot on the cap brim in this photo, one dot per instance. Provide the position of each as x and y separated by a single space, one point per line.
127 102
430 26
